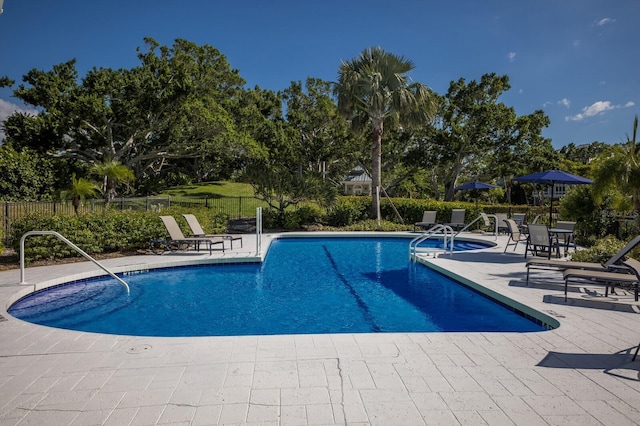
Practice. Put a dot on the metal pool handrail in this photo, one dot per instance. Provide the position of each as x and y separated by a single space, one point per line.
495 222
258 231
73 246
446 230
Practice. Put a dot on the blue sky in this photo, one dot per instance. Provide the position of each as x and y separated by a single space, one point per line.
575 59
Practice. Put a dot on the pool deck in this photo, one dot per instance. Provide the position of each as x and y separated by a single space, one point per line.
578 374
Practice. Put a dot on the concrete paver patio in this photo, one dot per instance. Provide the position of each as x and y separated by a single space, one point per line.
580 373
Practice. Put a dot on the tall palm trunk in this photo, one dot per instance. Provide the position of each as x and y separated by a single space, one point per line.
636 204
376 171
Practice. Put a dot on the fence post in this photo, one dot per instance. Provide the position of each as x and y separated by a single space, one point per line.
5 236
239 207
206 201
147 204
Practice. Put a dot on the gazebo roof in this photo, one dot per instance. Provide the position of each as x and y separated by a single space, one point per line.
358 174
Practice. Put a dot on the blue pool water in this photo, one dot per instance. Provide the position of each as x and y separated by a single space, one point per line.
305 286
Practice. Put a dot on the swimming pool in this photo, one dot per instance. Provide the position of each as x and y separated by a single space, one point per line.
304 286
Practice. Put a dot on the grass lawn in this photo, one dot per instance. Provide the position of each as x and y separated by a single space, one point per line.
232 198
211 189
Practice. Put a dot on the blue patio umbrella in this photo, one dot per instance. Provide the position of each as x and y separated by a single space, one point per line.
475 185
551 177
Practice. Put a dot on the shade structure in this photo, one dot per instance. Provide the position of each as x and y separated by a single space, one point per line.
474 185
551 177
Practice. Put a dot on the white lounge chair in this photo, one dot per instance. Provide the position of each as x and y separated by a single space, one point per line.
628 276
177 238
561 265
197 231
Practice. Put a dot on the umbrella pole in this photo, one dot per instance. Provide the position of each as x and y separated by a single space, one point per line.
553 186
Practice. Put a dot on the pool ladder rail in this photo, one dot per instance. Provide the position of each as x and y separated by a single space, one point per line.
73 246
482 217
438 230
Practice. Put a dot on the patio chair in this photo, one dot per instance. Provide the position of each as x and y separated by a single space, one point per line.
525 226
611 264
487 222
178 238
428 220
539 240
628 276
566 240
519 219
502 225
515 236
197 231
457 219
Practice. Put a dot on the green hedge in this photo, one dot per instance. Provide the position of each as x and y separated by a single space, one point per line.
103 232
350 210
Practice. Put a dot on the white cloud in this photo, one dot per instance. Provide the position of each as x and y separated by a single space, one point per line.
596 108
566 102
605 21
511 56
8 108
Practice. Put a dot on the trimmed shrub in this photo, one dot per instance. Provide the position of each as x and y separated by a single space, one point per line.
103 232
601 250
348 210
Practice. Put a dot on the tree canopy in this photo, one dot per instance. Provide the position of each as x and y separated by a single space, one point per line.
183 114
174 106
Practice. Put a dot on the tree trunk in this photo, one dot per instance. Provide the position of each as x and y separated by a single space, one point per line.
433 178
636 202
376 170
75 202
455 173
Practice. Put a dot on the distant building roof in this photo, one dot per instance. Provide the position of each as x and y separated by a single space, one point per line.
358 174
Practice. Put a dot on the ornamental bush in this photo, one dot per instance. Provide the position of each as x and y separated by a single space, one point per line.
599 252
103 232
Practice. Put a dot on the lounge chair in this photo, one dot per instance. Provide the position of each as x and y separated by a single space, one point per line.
428 220
540 241
515 236
562 265
457 219
178 238
197 231
628 276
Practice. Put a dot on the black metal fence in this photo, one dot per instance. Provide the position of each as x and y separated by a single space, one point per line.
234 207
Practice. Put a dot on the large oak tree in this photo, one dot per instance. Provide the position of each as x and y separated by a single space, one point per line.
173 107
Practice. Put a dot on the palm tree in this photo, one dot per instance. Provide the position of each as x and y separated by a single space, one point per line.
112 173
372 90
620 170
80 189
